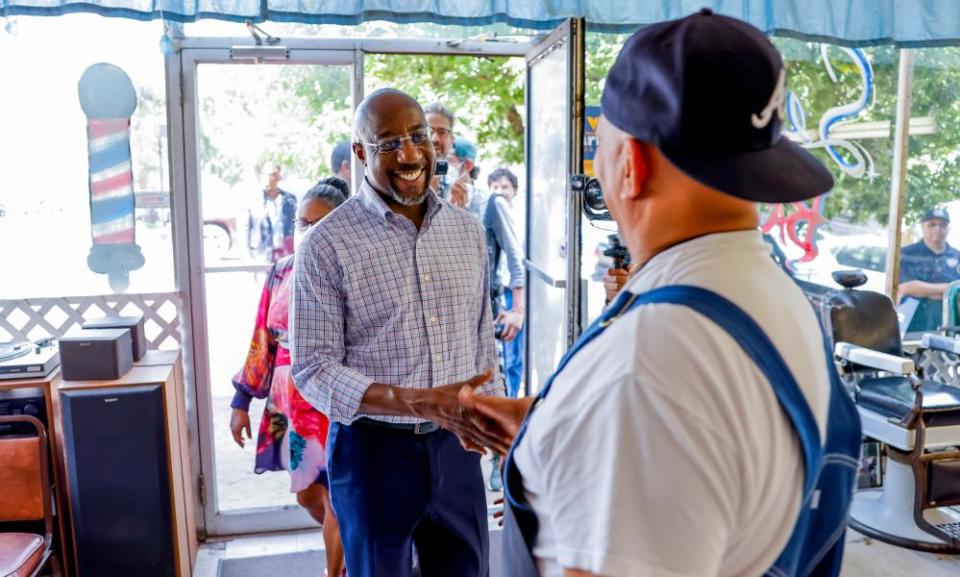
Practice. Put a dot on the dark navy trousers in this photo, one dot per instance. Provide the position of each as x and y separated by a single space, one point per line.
392 489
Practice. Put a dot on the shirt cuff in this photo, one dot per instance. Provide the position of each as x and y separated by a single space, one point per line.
347 388
241 401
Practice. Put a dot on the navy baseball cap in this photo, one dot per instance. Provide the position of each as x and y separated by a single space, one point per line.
709 91
935 213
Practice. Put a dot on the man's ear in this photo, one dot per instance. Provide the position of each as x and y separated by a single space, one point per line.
360 152
637 170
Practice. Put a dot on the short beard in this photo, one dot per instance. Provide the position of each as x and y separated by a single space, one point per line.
407 201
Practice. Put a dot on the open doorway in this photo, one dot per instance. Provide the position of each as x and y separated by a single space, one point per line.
248 110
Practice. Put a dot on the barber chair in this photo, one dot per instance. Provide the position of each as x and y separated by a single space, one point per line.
25 501
917 421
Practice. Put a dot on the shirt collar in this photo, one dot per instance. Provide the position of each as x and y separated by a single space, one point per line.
672 265
370 199
947 249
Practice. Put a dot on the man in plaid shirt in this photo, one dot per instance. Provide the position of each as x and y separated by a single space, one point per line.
390 318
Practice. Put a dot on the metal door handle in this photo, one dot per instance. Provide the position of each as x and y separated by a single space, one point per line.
544 275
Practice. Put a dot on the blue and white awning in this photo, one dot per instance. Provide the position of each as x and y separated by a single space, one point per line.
849 22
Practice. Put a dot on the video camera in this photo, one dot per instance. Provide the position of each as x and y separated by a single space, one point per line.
595 208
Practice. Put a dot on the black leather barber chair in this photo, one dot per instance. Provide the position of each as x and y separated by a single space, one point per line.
916 421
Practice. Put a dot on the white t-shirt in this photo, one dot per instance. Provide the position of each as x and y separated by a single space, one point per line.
661 450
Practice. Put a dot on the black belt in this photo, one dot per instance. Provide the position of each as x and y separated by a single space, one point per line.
415 428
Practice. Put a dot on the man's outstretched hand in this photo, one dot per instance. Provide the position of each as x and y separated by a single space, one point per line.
497 417
442 406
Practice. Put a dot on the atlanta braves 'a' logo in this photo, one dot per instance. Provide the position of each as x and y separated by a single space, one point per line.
777 104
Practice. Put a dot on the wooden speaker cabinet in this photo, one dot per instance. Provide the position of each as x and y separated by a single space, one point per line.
34 397
126 464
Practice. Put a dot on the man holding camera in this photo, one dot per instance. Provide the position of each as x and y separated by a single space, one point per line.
390 303
682 433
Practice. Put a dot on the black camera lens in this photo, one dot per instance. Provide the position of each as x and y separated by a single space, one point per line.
592 196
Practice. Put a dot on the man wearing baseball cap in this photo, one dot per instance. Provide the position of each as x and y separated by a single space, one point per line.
927 268
686 432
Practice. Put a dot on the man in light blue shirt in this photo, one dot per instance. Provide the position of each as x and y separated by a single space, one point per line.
493 212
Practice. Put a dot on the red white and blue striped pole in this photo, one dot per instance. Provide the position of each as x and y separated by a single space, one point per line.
108 99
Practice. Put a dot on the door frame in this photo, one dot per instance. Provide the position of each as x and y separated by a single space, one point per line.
569 36
182 112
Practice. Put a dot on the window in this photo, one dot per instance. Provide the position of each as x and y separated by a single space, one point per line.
45 221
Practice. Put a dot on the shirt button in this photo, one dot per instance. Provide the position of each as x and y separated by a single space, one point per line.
433 320
426 277
438 357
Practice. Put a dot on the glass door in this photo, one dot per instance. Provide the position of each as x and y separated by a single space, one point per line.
553 153
260 124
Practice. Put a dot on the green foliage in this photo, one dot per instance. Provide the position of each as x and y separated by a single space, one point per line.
324 93
602 50
933 174
486 94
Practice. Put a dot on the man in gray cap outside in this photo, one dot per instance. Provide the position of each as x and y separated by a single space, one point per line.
687 432
927 268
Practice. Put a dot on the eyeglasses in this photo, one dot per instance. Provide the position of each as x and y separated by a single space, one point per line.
416 138
441 132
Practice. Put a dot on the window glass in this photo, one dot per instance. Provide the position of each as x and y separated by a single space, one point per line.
84 206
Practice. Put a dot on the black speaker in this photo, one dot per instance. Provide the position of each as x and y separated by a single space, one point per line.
134 322
119 484
95 354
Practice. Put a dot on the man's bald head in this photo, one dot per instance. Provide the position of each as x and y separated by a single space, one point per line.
373 106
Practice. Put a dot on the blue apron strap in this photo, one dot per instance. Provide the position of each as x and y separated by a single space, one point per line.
522 521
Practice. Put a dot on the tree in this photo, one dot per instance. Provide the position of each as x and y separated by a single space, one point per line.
486 94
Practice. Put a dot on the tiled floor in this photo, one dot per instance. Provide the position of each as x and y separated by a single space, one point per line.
864 557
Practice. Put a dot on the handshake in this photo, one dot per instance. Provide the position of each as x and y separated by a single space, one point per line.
480 422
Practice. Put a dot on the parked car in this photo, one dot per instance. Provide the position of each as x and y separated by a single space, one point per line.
866 252
219 234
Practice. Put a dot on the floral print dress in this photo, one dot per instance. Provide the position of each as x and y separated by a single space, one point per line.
292 433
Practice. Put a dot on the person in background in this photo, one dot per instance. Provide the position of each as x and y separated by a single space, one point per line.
463 172
493 212
927 267
275 239
503 183
292 434
441 120
340 162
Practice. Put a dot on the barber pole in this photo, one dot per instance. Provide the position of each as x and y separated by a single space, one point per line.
108 99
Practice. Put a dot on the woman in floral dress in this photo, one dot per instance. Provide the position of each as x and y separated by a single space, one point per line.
292 433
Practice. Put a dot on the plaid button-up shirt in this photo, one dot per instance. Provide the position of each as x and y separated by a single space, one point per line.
377 301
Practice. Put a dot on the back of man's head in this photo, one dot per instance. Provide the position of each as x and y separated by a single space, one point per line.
709 91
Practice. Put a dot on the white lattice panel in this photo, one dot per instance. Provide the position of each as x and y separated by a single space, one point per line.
34 319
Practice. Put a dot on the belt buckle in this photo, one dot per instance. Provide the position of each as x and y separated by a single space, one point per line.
424 428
